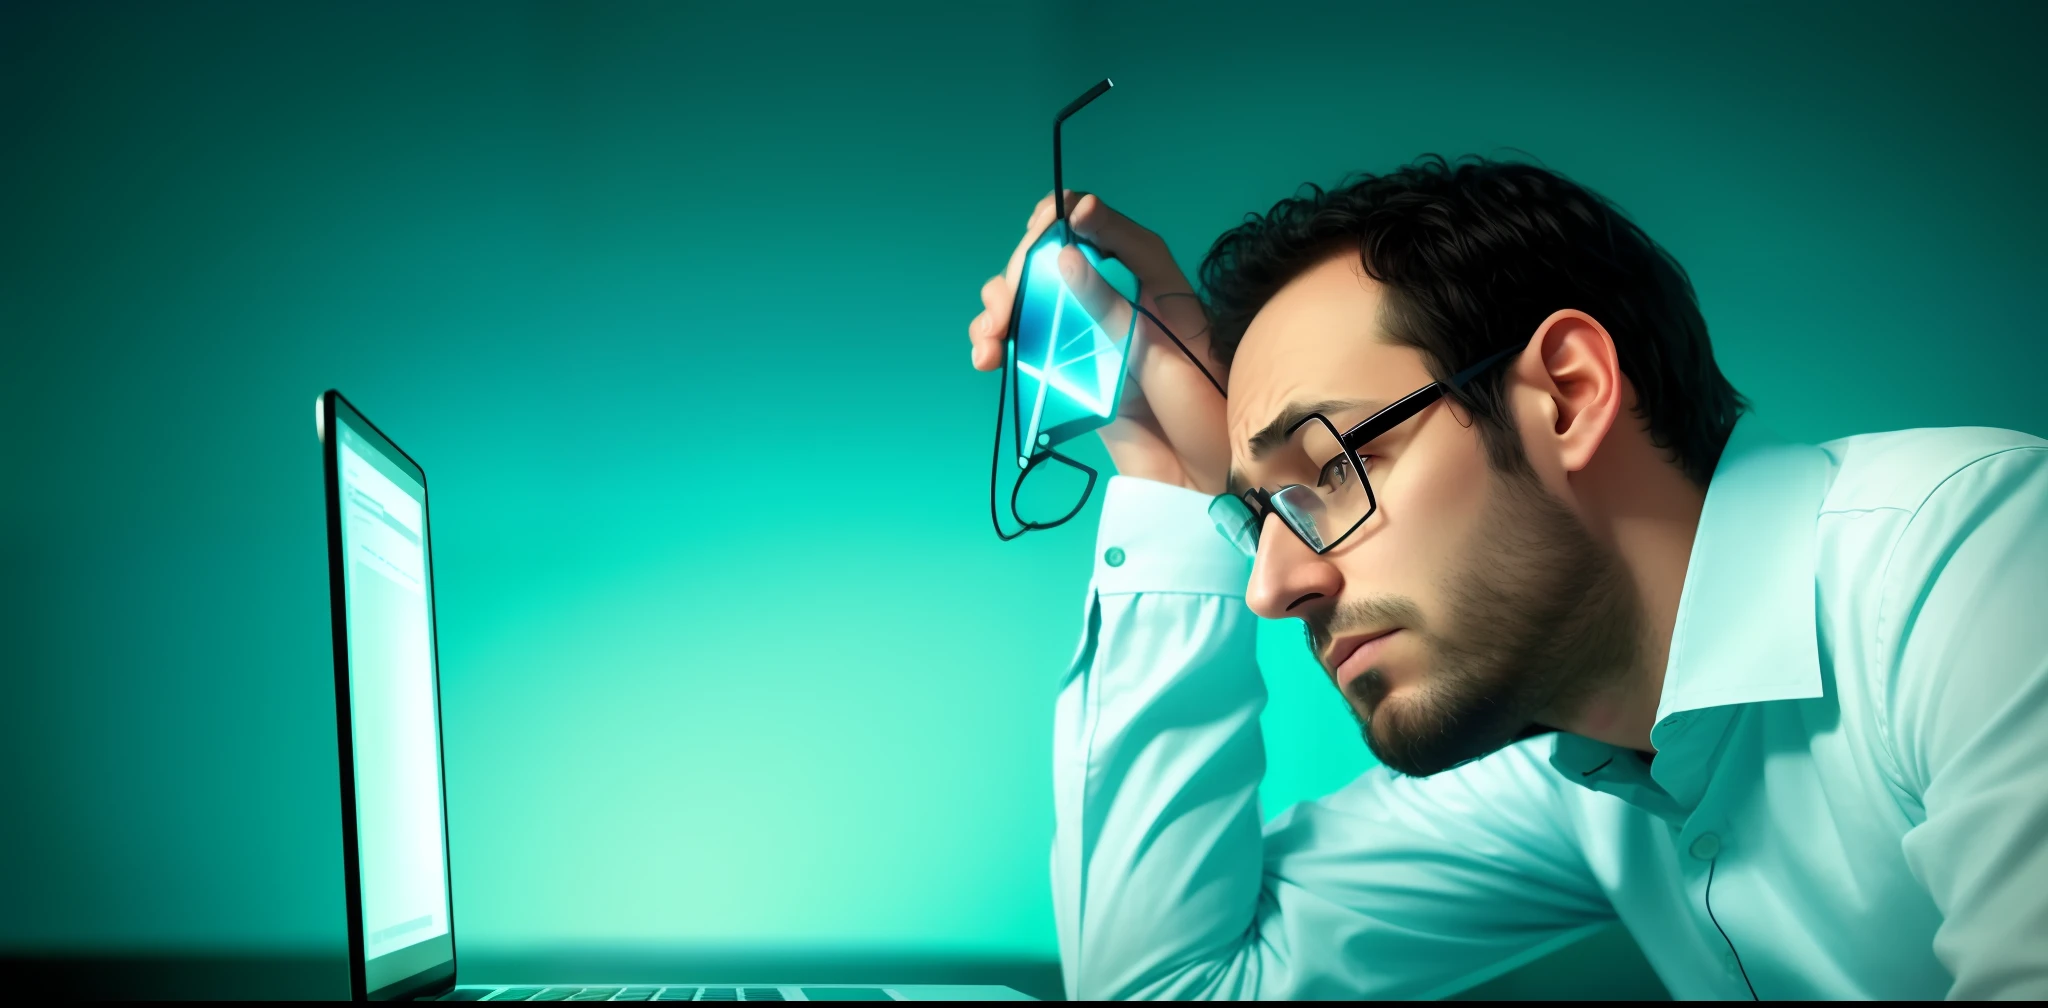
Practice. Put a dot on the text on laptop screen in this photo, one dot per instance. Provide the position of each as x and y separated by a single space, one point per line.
400 834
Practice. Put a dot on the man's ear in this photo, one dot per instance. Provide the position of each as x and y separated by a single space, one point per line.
1571 362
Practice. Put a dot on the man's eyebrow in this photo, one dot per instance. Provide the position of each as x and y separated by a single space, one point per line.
1273 434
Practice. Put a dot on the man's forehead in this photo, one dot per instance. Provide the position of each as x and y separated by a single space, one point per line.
1325 320
1318 342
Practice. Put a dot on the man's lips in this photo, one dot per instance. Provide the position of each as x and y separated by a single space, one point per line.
1353 655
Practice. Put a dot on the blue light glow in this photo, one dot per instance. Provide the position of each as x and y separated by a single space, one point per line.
1069 367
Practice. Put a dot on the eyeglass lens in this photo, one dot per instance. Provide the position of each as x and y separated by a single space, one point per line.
1334 499
1322 511
1237 521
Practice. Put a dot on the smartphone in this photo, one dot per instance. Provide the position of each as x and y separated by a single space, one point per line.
1070 345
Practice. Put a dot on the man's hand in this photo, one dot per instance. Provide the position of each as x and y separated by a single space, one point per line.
1169 427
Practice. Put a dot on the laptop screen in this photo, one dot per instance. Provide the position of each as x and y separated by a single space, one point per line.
401 837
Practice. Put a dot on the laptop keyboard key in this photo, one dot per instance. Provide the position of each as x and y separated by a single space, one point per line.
515 994
594 994
556 994
764 994
677 994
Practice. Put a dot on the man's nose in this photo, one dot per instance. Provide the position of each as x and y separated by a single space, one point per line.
1288 578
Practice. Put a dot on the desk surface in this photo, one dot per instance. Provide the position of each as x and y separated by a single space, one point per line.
227 975
1606 965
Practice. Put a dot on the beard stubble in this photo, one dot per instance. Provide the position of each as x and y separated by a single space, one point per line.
1539 615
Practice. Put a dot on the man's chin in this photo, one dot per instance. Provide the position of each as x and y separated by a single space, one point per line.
1423 750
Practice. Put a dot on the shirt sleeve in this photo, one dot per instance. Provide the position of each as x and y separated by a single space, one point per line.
1964 623
1166 884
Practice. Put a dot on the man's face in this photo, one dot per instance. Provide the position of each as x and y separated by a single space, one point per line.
1473 602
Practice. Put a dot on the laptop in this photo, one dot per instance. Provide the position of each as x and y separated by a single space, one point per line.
394 821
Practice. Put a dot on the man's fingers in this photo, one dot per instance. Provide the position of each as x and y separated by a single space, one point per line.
1089 288
1138 248
1045 208
1143 252
1180 317
986 331
1042 217
984 350
1100 300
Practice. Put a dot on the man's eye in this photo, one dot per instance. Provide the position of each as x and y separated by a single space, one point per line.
1336 474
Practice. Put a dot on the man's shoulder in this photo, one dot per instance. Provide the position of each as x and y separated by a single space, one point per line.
1899 470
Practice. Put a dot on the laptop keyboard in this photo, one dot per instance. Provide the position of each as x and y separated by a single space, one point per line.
637 994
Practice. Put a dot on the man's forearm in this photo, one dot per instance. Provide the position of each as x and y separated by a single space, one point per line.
1157 862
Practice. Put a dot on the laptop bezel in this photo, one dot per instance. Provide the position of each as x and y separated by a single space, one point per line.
333 409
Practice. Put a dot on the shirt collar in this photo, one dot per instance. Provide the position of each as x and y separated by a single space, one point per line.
1746 630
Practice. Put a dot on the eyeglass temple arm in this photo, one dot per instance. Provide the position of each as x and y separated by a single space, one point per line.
1458 380
1383 421
1185 352
1059 191
1059 196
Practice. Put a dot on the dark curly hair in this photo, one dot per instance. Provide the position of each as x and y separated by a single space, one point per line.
1474 254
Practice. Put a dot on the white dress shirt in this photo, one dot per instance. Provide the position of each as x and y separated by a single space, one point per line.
1849 798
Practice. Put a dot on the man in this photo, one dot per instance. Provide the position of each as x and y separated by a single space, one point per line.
1782 710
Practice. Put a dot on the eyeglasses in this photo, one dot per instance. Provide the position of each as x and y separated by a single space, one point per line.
1342 499
1065 364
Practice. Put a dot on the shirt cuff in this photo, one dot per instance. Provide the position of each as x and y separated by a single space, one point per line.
1155 537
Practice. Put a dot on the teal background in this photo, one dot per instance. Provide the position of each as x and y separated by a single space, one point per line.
669 300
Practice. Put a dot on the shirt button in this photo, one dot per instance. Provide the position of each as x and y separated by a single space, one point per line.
1706 846
1114 556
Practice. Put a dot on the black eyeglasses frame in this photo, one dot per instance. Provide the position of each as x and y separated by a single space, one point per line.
1259 501
1029 457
